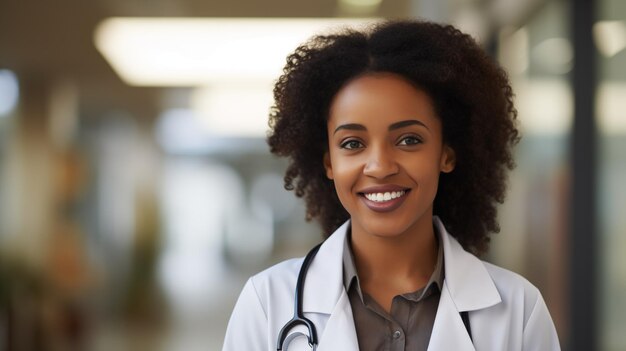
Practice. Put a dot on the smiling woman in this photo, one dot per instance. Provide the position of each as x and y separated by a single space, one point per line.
399 139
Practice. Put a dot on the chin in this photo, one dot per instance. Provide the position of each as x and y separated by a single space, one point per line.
394 223
390 227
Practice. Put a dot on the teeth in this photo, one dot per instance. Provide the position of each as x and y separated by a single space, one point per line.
380 197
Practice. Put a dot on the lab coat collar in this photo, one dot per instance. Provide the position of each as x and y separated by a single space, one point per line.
449 332
323 286
467 281
340 333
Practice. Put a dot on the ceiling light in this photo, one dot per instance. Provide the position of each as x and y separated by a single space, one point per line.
233 110
513 51
9 92
609 108
554 55
201 51
545 106
610 37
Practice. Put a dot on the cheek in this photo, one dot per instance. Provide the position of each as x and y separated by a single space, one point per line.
424 172
345 178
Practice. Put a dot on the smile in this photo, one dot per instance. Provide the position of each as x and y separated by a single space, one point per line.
382 197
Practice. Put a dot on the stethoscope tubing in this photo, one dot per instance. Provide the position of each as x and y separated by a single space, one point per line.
298 315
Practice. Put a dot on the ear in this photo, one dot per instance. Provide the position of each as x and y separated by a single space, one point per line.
448 159
327 165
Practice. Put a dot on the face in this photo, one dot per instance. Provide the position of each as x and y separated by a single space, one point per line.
385 154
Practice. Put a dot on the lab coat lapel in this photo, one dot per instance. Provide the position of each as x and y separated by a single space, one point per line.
469 284
323 285
340 333
467 287
449 332
324 293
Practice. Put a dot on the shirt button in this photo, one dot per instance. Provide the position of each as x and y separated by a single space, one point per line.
397 334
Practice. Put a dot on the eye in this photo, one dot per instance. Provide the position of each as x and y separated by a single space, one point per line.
410 140
351 145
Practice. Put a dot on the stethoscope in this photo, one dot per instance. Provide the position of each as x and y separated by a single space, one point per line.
299 318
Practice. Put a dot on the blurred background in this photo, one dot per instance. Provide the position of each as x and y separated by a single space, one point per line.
137 193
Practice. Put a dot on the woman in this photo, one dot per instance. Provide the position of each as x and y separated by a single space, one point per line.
399 140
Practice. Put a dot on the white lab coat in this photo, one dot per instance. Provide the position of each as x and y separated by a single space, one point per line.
506 312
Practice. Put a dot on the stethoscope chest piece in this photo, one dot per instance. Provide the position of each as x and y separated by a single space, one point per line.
295 335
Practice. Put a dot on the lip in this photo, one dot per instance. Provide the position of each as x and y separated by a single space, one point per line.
386 206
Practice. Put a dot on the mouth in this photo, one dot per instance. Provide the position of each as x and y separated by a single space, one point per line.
386 196
384 200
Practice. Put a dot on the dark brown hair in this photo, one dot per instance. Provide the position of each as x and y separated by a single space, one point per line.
472 97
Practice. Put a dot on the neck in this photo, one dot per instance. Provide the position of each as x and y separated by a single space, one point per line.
402 262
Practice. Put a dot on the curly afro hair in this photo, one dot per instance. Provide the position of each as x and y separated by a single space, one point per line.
472 97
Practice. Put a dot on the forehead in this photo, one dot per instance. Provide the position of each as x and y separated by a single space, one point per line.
381 99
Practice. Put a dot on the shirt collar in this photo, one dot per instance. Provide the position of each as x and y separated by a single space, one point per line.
350 275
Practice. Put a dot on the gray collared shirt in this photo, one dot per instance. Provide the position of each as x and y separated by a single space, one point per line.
410 323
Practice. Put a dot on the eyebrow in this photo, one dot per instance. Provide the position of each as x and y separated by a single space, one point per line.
394 126
407 123
350 126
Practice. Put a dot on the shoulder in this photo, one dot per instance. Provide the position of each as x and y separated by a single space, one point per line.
524 304
277 280
509 281
282 271
325 270
260 303
516 290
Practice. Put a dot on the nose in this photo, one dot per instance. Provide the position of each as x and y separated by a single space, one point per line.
380 163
